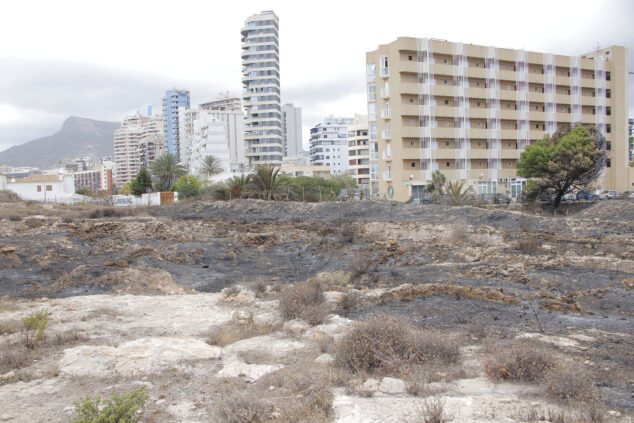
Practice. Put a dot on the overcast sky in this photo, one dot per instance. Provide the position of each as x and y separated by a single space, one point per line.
104 60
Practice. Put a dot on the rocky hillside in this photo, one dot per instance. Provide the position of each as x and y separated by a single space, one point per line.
78 137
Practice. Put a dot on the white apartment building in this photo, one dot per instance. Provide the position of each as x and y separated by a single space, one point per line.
206 135
136 144
261 95
292 129
359 152
328 144
229 110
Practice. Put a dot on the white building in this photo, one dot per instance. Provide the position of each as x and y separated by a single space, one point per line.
328 144
206 136
261 95
47 188
229 110
292 129
137 143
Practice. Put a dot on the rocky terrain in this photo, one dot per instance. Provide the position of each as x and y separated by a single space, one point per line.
137 299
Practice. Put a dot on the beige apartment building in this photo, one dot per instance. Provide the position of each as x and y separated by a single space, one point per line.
469 111
136 144
359 152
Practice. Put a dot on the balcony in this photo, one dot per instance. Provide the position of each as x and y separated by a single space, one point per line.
386 155
385 114
387 176
386 135
384 72
385 92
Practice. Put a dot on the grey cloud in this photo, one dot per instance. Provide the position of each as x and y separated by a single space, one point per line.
61 89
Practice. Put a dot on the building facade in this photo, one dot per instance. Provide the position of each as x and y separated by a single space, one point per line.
469 111
97 180
47 188
328 144
174 104
292 129
229 110
261 95
206 136
136 144
359 152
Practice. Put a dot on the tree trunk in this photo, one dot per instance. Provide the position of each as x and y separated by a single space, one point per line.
557 200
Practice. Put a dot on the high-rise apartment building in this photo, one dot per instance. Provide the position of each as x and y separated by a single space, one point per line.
292 130
136 143
469 111
174 103
229 110
328 143
359 153
261 81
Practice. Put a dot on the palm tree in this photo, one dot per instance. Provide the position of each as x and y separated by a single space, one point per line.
459 193
237 185
211 166
167 170
264 182
437 186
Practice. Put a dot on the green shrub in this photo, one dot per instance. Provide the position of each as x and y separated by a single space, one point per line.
34 326
117 409
187 186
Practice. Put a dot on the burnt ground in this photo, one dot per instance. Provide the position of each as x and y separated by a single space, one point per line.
557 275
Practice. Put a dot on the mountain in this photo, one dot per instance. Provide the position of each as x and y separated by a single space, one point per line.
79 137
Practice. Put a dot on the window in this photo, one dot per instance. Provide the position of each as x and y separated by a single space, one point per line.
608 128
411 100
608 94
508 86
510 164
478 103
608 163
479 123
446 123
444 81
448 164
371 92
477 64
39 188
480 164
412 143
509 144
413 164
536 107
477 84
446 143
444 60
49 187
447 102
409 57
608 146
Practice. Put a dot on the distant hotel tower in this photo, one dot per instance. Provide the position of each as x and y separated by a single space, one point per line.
261 80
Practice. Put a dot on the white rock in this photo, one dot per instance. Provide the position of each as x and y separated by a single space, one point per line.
7 375
5 417
249 372
392 386
268 343
614 413
370 385
324 358
296 327
144 355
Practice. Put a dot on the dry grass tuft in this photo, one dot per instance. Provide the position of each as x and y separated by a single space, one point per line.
235 330
350 302
433 411
572 384
529 246
244 407
14 357
34 222
519 361
305 301
113 212
15 218
70 336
